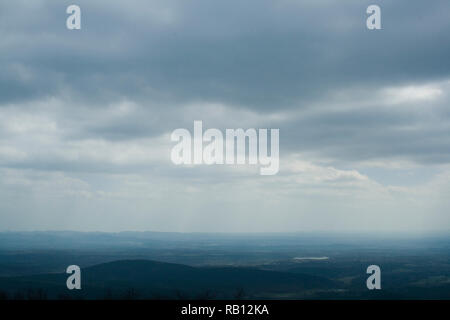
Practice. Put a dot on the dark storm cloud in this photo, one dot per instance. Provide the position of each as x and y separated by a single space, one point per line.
261 54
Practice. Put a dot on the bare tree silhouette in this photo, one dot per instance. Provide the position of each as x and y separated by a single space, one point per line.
108 294
206 295
180 295
239 294
36 294
131 294
3 295
19 296
64 296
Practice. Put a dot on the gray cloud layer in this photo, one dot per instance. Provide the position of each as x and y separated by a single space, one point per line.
101 101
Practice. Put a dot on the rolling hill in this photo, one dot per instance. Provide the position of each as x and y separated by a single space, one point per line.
151 279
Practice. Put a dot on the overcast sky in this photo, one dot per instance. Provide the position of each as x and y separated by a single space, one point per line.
86 115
